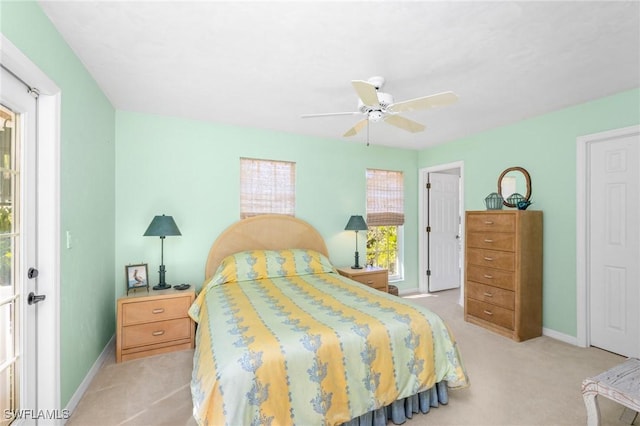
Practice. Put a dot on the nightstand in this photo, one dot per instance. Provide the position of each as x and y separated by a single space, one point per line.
154 323
377 278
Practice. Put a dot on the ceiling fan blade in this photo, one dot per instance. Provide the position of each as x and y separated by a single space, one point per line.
329 114
404 123
440 99
366 92
355 129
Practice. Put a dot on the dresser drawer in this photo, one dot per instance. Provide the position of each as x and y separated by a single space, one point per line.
491 276
493 295
491 222
491 313
155 310
156 332
505 241
491 258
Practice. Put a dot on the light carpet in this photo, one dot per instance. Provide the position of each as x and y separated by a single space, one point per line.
536 382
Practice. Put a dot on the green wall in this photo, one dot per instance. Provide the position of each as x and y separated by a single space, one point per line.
190 170
87 319
546 147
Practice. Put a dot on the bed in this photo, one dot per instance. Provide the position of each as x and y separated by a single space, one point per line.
282 338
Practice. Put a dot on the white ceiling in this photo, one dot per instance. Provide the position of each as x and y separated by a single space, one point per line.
263 64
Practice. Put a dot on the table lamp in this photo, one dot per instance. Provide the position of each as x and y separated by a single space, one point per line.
162 226
356 223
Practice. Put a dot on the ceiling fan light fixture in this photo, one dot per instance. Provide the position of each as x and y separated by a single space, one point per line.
376 116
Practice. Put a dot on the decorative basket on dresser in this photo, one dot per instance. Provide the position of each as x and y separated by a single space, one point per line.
503 273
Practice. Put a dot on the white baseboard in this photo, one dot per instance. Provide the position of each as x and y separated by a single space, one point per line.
108 351
408 291
560 336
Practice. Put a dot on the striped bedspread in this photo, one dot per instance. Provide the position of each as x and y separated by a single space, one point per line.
304 345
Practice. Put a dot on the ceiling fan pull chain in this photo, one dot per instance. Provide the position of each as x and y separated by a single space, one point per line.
367 131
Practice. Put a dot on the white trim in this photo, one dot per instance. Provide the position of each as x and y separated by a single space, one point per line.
560 336
422 284
582 212
107 352
48 389
406 291
19 64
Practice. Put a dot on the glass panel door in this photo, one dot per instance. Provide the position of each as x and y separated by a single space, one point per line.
9 257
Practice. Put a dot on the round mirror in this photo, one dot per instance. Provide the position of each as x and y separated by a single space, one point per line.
514 180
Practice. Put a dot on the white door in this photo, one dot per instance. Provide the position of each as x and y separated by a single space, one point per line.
443 231
613 241
18 349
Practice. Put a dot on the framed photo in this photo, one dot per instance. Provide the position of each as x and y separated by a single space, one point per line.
137 277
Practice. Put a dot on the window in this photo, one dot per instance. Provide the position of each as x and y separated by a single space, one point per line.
385 218
267 187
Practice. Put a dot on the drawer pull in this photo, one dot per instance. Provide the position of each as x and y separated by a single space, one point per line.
488 294
488 222
158 311
158 333
488 259
370 282
489 277
488 312
488 240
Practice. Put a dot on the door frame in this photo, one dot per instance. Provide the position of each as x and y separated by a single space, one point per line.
422 278
48 221
583 337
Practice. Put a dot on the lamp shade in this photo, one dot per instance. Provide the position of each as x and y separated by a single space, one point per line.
162 226
356 223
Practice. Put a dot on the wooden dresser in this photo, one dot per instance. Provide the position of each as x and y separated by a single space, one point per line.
503 273
377 278
154 323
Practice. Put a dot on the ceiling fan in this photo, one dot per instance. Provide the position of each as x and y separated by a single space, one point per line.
379 106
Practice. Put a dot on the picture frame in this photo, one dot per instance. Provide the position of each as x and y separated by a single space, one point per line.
136 277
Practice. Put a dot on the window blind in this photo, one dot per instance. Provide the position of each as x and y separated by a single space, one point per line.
267 187
385 198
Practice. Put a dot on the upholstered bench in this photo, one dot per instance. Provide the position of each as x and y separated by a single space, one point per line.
620 384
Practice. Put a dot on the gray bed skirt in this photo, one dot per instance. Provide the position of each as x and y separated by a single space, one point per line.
401 410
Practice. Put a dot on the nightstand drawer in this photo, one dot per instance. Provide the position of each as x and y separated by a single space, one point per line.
373 277
154 323
156 332
505 241
491 313
155 310
492 258
377 281
491 276
493 295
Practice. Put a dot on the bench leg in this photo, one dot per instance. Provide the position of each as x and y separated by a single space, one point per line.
628 416
593 410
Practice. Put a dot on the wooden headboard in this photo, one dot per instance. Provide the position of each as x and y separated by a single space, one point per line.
264 232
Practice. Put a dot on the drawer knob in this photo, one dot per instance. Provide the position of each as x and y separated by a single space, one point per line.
158 333
370 282
158 310
488 240
488 259
489 277
488 312
488 222
488 294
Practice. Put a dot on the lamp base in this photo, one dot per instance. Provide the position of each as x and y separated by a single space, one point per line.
357 260
164 286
